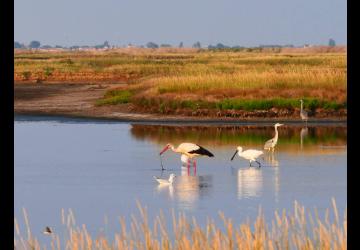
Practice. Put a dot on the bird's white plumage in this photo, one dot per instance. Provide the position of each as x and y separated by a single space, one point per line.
164 181
250 154
188 147
184 159
270 144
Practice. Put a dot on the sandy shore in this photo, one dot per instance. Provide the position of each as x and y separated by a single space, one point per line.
78 100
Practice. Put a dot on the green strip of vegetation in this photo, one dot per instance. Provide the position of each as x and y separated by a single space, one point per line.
113 97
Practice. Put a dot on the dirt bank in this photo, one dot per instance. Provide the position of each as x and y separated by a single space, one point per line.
78 100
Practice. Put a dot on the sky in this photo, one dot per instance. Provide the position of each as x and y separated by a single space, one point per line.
231 22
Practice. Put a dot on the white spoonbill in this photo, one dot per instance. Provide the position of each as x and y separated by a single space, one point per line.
250 154
164 181
188 151
270 144
303 113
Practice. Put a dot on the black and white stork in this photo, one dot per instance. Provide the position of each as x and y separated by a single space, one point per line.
188 151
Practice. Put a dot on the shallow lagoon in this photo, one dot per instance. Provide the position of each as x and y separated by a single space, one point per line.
100 169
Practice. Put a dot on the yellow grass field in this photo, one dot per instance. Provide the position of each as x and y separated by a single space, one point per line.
190 79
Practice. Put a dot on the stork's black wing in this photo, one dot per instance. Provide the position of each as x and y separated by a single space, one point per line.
201 151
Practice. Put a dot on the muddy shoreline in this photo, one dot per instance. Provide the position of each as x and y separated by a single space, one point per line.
77 100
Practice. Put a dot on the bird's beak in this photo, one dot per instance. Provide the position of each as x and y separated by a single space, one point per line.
166 148
281 124
232 158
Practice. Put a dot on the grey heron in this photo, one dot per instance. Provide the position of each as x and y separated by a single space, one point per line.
270 144
303 113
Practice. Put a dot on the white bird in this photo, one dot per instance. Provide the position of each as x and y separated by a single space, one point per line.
164 181
270 144
250 154
303 113
188 151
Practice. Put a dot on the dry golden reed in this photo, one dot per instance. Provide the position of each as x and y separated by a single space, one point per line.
298 229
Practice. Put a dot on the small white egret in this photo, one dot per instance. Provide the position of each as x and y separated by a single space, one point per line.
164 181
270 144
250 154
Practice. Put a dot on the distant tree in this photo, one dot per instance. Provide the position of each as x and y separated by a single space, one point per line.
220 46
34 44
332 42
181 45
197 45
106 44
46 47
165 45
18 45
58 46
152 45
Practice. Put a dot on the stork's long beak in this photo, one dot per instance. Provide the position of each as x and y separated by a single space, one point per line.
232 158
164 149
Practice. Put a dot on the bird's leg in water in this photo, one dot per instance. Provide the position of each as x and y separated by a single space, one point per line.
250 164
188 167
194 167
258 163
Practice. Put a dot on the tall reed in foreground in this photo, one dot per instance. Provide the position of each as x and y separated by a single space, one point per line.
298 229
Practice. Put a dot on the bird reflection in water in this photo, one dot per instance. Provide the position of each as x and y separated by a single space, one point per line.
249 182
271 159
303 134
189 188
166 189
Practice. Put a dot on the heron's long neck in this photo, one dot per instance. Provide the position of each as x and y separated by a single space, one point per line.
276 133
301 106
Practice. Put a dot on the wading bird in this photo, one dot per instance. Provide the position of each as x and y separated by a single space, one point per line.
47 230
164 181
303 113
250 154
270 144
188 151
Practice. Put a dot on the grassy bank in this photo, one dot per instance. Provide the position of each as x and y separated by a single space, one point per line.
297 229
169 80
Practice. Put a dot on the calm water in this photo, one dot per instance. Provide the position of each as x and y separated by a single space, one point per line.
99 170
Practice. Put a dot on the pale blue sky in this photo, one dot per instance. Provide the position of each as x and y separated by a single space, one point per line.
232 22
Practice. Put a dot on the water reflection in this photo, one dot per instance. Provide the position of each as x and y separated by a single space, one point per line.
310 137
271 159
303 133
187 189
249 182
166 189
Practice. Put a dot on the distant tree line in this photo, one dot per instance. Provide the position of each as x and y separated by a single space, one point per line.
152 45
